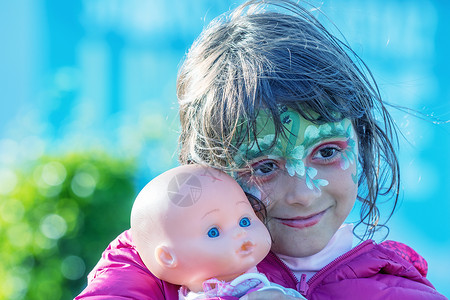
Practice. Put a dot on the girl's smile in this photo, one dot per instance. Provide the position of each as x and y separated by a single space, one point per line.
302 222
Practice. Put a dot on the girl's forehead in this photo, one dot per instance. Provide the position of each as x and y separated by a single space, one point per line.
298 131
301 129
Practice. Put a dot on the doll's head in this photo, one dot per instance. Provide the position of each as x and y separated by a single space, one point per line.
193 223
268 55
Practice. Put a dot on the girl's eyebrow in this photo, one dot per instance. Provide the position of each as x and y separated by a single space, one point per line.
262 150
334 133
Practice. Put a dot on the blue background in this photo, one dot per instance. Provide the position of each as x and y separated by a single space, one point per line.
101 73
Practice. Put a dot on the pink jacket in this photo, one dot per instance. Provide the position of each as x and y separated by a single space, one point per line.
389 270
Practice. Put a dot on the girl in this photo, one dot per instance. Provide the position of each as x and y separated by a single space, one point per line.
269 95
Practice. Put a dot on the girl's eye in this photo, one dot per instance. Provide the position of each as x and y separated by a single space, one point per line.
327 153
259 172
213 232
264 168
244 222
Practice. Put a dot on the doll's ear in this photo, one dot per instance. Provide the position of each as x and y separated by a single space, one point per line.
165 256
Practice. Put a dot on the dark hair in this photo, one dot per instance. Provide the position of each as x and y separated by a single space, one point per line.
267 54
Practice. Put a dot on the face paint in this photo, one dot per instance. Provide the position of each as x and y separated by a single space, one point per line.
301 138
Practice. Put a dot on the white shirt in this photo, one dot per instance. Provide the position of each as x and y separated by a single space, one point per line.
340 243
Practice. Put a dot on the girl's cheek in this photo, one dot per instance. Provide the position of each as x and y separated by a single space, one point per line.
254 191
345 164
269 191
278 188
257 190
341 167
265 194
336 164
340 173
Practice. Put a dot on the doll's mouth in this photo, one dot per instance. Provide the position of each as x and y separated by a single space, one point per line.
246 248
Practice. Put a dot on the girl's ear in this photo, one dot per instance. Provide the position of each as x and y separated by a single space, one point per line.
166 257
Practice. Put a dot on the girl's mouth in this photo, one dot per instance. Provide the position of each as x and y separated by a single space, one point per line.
303 222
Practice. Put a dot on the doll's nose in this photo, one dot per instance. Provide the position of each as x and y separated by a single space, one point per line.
239 233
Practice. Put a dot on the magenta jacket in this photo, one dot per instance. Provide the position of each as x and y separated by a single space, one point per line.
389 270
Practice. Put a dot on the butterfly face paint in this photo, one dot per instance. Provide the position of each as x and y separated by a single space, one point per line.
301 140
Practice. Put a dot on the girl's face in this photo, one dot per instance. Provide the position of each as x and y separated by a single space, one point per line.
307 180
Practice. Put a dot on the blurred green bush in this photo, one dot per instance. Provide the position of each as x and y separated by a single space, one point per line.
57 219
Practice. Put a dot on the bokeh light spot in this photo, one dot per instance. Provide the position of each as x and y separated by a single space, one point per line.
8 181
53 226
11 210
44 242
83 184
54 173
17 287
19 235
73 267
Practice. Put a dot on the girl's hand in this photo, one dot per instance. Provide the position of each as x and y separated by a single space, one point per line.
267 295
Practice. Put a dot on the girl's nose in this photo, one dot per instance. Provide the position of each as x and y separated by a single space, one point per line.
299 191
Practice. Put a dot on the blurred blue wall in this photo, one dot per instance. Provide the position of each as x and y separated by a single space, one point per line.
101 73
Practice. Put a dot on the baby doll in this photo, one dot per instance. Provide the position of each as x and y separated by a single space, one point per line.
194 226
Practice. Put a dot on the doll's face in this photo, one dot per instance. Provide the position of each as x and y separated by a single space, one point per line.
220 236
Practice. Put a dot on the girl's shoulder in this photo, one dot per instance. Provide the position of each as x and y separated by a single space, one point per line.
120 273
409 254
389 270
120 251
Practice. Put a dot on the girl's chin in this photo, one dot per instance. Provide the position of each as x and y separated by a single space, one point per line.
299 249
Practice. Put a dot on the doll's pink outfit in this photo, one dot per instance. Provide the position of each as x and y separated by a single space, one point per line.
383 271
244 284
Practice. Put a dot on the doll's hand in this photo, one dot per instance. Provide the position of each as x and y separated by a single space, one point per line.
268 295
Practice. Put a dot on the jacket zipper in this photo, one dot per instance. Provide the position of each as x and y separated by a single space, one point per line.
314 280
298 286
302 285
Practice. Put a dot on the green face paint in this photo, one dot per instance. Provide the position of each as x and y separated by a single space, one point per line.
302 136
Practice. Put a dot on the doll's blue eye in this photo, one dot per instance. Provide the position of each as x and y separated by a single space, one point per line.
213 232
244 222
